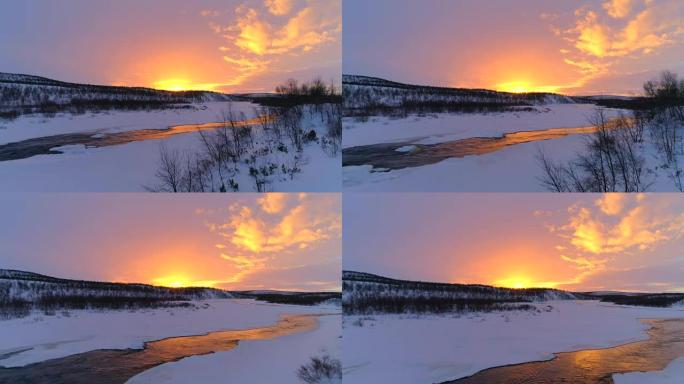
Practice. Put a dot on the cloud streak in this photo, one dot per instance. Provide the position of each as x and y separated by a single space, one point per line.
260 36
617 229
604 37
279 231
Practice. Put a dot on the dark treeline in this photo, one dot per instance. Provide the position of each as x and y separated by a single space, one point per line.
367 96
297 298
417 107
23 94
292 93
366 294
614 158
645 300
21 292
419 305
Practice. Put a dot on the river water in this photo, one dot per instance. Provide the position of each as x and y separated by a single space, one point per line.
94 139
117 366
594 366
386 156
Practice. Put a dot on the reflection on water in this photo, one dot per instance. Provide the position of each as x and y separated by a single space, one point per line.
665 343
43 145
386 156
117 366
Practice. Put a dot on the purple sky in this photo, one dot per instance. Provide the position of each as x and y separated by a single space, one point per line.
230 45
575 47
238 241
568 241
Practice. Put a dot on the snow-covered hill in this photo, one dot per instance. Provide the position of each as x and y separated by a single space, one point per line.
27 91
363 94
364 292
26 288
639 299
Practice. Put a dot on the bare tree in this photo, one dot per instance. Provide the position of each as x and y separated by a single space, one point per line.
319 370
170 169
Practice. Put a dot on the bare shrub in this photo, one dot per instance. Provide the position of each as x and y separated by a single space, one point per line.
612 161
321 370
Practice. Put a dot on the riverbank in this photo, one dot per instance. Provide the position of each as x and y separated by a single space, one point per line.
441 348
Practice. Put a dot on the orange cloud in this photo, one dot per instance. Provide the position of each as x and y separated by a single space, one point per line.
597 237
273 202
611 203
304 31
657 25
602 38
279 7
256 41
622 224
618 8
275 231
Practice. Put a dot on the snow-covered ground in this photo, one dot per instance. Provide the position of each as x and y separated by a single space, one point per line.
513 169
443 127
282 356
673 374
37 125
131 167
428 349
80 331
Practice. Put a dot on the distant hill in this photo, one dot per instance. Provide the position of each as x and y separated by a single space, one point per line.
639 299
27 287
288 297
27 93
364 292
367 94
21 292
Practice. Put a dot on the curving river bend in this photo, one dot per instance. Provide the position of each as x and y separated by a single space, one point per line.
45 145
594 366
116 366
386 155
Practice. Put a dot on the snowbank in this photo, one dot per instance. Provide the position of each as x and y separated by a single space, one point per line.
74 332
281 356
451 126
36 125
513 169
429 349
131 167
673 374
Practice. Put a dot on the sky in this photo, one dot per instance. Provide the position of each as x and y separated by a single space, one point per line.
571 47
223 45
577 242
238 241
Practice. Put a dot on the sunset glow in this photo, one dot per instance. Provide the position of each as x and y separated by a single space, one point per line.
570 47
243 241
233 46
523 87
515 282
577 242
182 85
180 282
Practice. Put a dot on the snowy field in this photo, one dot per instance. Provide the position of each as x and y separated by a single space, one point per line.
431 349
80 331
131 167
673 374
441 127
282 356
513 169
36 125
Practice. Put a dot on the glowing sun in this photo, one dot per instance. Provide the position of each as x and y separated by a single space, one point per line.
517 282
180 84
